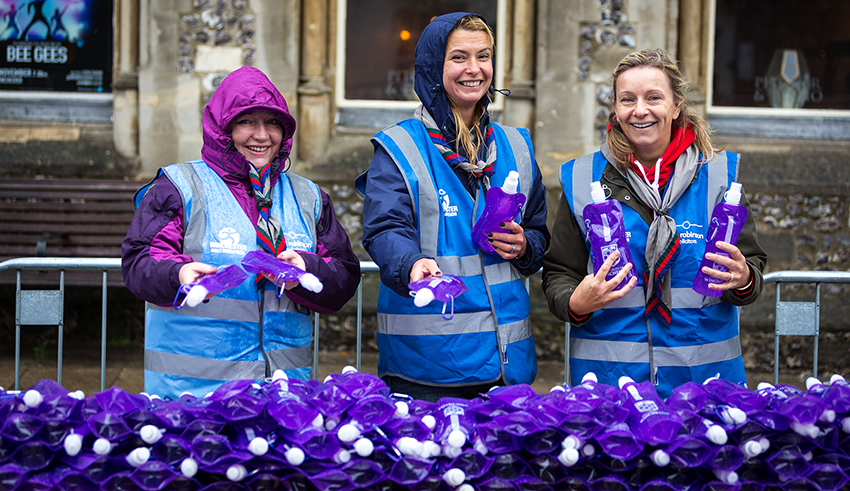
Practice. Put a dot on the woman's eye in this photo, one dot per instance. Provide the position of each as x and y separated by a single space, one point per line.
274 121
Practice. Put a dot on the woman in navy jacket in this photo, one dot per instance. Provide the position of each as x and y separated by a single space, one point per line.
423 191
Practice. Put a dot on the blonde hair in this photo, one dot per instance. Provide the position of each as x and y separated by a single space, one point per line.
464 133
619 144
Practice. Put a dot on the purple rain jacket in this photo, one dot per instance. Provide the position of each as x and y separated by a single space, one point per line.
152 251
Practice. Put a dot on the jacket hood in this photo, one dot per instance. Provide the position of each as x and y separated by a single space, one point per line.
428 71
244 89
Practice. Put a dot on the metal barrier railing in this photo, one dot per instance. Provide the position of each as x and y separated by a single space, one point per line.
800 318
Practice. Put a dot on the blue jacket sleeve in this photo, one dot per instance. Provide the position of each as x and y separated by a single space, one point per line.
534 226
389 228
334 263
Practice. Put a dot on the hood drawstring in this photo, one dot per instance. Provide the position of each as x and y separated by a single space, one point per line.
504 92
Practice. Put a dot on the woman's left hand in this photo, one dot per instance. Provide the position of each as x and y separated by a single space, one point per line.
511 245
738 275
294 259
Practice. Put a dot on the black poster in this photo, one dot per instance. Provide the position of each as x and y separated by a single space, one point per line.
56 45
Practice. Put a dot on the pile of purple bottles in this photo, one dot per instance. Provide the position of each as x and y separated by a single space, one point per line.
349 432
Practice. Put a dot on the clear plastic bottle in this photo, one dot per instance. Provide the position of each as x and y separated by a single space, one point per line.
603 219
502 205
727 220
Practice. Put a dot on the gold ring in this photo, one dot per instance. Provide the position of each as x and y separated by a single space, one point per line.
513 247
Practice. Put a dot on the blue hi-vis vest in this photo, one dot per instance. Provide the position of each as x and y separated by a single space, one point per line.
489 336
703 338
243 332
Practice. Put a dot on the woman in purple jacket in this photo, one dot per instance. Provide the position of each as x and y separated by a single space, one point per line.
196 216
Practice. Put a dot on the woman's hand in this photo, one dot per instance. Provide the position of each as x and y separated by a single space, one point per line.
423 268
738 275
191 272
511 245
292 258
594 293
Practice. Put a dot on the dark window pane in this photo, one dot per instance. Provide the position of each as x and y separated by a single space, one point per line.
380 36
782 53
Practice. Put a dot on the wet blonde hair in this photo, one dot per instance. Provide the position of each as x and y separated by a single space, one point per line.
465 140
619 144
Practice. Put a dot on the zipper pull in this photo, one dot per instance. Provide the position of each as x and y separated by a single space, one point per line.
504 355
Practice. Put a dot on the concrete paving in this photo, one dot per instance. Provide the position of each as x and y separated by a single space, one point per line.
125 366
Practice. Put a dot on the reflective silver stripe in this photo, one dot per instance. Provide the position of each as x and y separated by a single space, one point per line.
680 356
633 299
218 308
689 356
687 298
435 325
582 176
283 304
429 208
522 156
717 183
305 196
499 273
205 368
460 265
193 234
290 358
515 331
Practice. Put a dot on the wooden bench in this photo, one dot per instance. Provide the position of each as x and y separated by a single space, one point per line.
64 218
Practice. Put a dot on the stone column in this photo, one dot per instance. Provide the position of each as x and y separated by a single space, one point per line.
314 94
519 107
125 86
692 29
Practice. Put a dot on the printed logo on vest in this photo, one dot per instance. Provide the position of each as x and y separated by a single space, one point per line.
297 241
228 243
689 237
448 209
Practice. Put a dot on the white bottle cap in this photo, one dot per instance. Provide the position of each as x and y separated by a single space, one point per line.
295 456
571 441
557 388
196 295
597 194
808 456
717 435
138 456
660 458
738 417
423 297
589 376
348 433
764 385
828 415
328 378
466 487
409 446
258 446
32 398
364 447
568 457
751 448
401 409
456 438
73 444
150 434
480 447
812 381
311 282
764 443
431 448
236 472
588 450
318 421
348 369
451 452
342 457
189 467
733 195
102 446
429 421
279 375
511 182
77 394
331 423
624 380
836 378
729 477
454 477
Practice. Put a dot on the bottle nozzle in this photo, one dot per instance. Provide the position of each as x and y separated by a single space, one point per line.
511 182
597 194
733 195
423 297
196 295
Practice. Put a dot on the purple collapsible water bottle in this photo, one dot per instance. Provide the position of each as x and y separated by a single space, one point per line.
502 205
225 277
650 420
727 220
259 262
441 288
606 233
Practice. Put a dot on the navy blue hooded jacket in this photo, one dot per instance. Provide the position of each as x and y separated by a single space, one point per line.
389 227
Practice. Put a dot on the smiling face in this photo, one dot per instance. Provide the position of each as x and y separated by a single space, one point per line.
645 108
257 136
467 70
